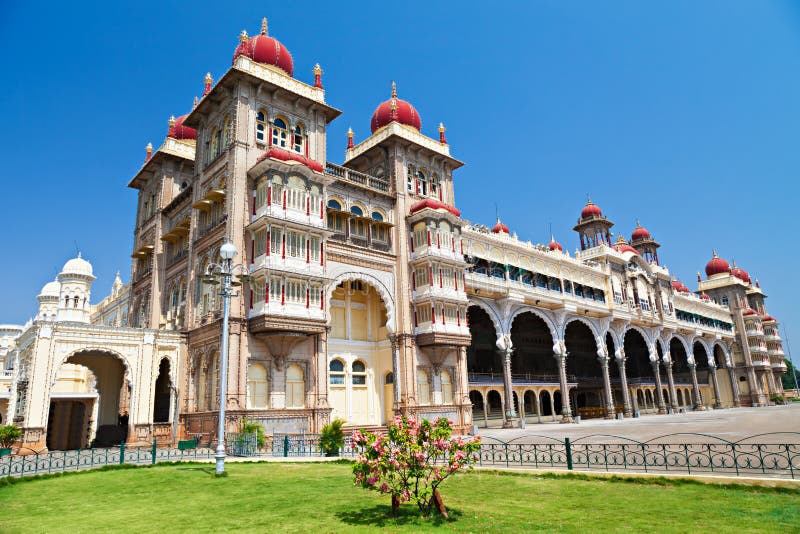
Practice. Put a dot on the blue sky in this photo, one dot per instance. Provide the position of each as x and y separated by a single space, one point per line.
683 114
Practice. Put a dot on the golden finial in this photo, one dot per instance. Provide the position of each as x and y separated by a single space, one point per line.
171 120
243 38
264 26
441 127
442 138
317 70
208 79
149 148
394 90
393 105
588 199
349 132
714 252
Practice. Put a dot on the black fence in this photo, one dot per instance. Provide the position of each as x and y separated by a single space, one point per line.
775 454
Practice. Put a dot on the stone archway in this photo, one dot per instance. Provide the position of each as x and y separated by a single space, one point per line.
584 368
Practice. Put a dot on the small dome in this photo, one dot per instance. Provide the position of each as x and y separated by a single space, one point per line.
591 210
265 50
178 131
51 289
554 245
622 246
705 296
395 110
500 228
768 319
640 233
287 155
717 266
741 274
77 266
434 204
680 287
749 312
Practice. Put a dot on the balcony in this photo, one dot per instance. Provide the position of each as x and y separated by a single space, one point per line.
435 292
312 216
210 226
363 242
772 337
288 309
776 352
752 332
181 255
290 264
758 349
358 178
434 251
447 328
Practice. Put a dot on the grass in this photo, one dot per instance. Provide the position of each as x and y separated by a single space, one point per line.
319 498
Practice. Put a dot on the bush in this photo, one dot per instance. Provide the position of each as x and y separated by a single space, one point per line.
9 434
412 460
777 399
253 427
331 438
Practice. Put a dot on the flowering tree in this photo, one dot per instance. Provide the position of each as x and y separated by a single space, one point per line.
412 460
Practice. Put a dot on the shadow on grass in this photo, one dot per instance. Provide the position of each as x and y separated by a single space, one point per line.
380 515
211 470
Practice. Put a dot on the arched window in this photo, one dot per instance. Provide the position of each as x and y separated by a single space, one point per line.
435 191
336 371
355 210
226 131
277 190
358 228
256 386
261 125
447 388
378 216
299 138
279 133
389 378
334 204
296 194
214 144
295 387
422 184
410 179
75 305
359 373
423 388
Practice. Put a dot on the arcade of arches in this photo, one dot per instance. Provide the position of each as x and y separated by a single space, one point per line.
529 381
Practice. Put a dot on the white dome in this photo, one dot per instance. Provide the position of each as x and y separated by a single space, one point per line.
77 266
51 289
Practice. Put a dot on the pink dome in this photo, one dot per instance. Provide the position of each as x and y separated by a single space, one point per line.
178 131
395 110
265 49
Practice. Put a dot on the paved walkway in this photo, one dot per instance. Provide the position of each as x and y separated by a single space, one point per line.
730 424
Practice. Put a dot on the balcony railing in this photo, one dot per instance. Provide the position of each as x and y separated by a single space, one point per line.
211 226
349 175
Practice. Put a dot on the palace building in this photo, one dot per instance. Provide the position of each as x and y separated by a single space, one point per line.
369 294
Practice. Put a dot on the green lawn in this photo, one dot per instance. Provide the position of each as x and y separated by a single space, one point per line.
320 498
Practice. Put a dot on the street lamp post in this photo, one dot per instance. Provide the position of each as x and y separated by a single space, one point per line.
222 274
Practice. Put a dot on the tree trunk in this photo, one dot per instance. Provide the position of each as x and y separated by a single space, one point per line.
395 504
437 498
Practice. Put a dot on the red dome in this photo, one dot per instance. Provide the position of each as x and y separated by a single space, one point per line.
717 266
640 233
680 287
741 274
705 297
395 110
749 312
178 131
434 204
768 318
590 210
285 155
554 245
500 228
626 248
265 49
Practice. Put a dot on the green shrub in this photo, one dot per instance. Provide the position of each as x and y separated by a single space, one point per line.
777 399
254 427
9 434
331 439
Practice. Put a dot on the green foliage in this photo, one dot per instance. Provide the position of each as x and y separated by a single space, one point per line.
331 438
254 427
777 399
412 460
787 379
9 434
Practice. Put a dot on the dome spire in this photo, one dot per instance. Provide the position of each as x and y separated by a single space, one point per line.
394 90
350 138
442 138
264 26
149 150
317 76
243 37
208 80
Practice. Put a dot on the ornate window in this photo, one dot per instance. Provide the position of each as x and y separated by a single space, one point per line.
359 377
423 388
261 125
336 372
447 388
295 387
296 194
358 227
280 133
435 191
226 131
422 184
299 139
214 144
277 191
256 386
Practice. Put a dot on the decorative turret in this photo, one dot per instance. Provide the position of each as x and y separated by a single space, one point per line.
500 228
395 110
75 281
593 227
644 243
317 76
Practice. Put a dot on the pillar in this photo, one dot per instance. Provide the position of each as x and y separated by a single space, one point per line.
607 387
671 384
553 407
538 408
396 386
486 410
566 412
509 413
717 398
626 394
698 402
734 386
662 407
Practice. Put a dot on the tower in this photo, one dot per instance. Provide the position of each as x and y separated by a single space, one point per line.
644 243
593 227
76 287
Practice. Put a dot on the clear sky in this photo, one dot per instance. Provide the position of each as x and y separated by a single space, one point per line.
683 114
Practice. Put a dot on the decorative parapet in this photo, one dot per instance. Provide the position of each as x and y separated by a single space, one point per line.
277 77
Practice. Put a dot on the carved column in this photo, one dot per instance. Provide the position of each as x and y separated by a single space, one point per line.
712 369
510 413
396 383
323 382
698 400
671 384
463 379
734 386
662 408
566 411
627 410
607 387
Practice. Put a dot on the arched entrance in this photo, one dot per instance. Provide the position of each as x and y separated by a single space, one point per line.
91 406
483 362
584 369
724 377
478 407
163 394
533 350
639 368
359 354
545 403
